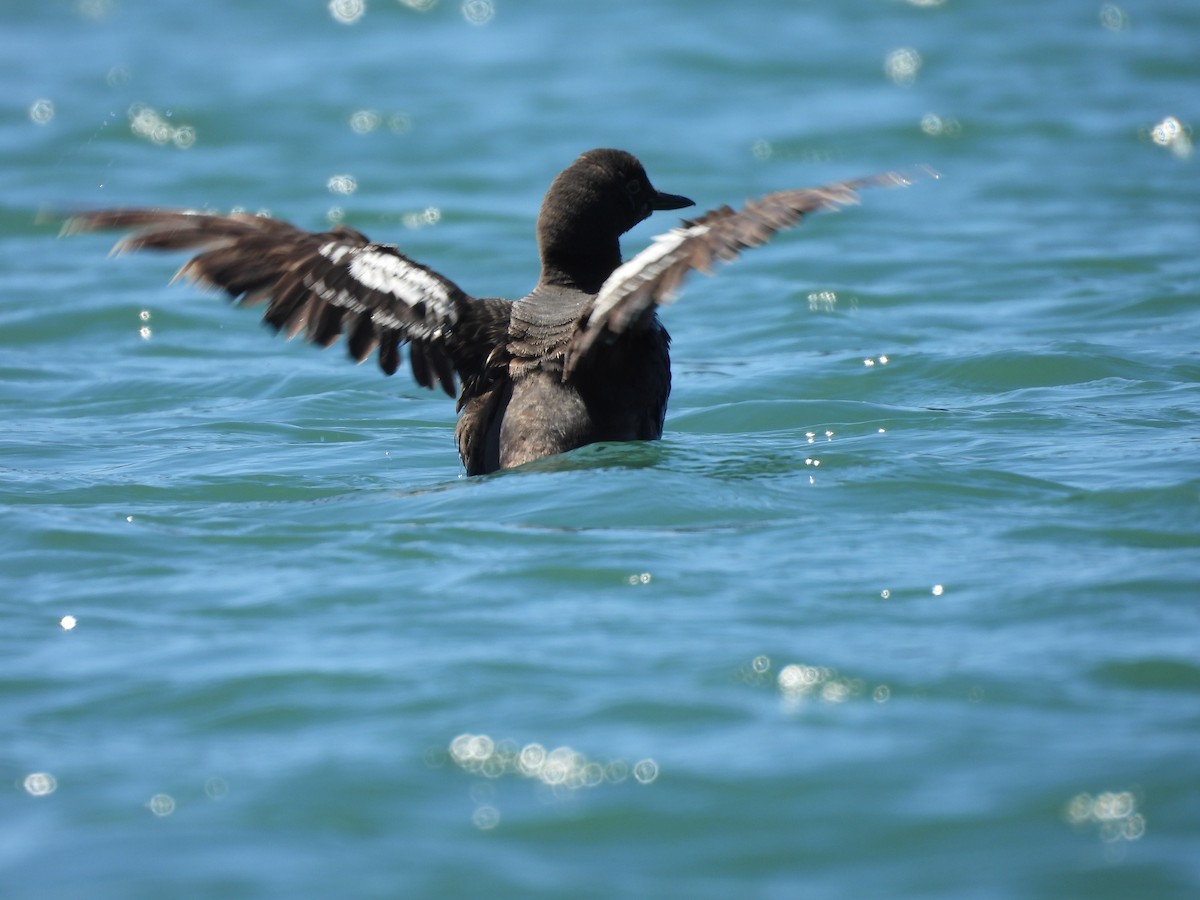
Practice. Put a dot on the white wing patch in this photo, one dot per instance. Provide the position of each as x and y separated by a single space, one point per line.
405 281
333 251
645 266
390 274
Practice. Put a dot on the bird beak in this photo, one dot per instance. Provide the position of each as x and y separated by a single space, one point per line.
670 201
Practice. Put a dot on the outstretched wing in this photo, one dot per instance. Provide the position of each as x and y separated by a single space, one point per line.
630 295
324 285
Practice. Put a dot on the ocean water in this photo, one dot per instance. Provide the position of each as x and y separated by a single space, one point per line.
905 604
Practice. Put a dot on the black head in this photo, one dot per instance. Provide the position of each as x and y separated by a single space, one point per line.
589 206
611 182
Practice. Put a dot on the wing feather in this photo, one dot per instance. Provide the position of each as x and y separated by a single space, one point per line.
630 296
323 285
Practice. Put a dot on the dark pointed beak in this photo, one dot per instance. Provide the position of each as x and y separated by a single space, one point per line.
670 201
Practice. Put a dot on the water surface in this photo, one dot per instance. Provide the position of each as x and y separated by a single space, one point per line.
904 604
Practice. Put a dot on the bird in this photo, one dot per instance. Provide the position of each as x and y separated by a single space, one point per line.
582 358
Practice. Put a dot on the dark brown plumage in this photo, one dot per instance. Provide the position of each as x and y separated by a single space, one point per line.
582 358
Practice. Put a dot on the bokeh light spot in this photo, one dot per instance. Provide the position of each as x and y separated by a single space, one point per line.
347 12
149 124
364 121
646 771
216 788
41 111
431 215
1113 17
1114 815
342 184
40 784
1174 135
118 76
762 150
96 9
822 301
902 65
561 768
478 12
485 818
162 805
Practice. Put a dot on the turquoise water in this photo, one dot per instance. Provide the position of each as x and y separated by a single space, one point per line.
904 604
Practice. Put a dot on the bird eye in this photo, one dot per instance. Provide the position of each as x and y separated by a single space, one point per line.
634 187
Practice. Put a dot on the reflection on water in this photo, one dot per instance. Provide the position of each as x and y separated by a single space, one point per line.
561 767
799 683
559 772
347 11
1114 815
40 784
148 123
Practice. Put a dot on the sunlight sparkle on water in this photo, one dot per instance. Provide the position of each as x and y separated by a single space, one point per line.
798 682
148 123
902 65
342 184
478 12
40 784
118 76
41 111
1113 17
561 768
1174 135
940 126
67 623
762 149
347 12
485 818
430 215
364 121
96 9
162 805
822 301
216 788
1113 813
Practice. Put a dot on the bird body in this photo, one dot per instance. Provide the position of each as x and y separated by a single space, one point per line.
582 358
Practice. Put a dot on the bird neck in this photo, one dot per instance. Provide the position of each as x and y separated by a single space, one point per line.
581 264
578 234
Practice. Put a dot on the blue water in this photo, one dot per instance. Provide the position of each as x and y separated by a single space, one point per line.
903 605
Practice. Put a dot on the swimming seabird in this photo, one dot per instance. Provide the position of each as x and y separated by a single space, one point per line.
580 359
